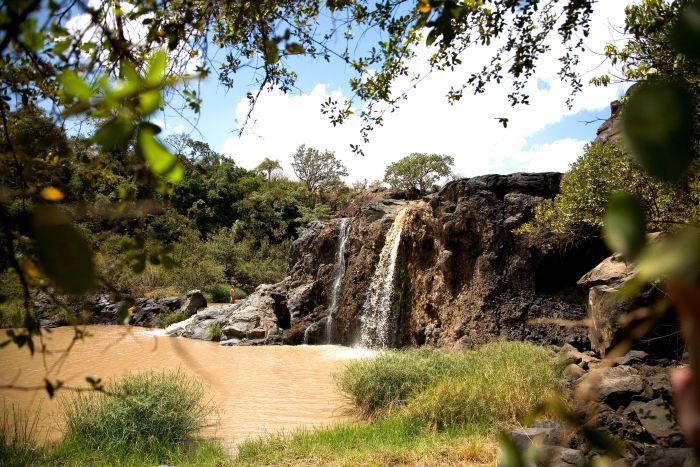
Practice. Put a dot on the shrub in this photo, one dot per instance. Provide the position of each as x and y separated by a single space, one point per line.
173 317
154 411
601 171
220 293
215 332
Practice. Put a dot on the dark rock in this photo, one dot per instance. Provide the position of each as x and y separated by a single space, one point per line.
664 457
557 456
195 301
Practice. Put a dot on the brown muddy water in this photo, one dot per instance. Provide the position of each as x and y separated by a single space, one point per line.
257 390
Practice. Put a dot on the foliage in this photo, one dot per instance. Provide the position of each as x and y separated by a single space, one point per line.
603 170
318 170
418 171
156 411
220 293
269 167
173 317
215 332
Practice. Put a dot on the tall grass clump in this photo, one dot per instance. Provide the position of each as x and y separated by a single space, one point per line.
153 412
386 381
18 431
498 382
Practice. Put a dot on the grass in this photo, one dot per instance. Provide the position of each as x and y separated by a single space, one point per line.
423 406
215 332
419 407
17 435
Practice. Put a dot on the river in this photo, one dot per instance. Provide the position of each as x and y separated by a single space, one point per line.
257 390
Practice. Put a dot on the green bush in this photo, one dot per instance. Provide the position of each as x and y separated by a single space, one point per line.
220 293
152 411
215 332
601 171
173 317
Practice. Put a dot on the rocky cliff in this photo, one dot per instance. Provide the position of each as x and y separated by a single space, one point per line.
448 270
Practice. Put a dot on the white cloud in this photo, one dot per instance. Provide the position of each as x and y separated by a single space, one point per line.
425 122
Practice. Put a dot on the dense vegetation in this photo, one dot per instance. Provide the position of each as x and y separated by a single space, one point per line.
222 225
603 171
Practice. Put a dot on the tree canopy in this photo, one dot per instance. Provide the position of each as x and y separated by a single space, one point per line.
317 169
418 171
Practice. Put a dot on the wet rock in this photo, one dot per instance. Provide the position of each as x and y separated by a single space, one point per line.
193 302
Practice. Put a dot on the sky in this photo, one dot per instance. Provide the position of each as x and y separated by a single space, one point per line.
543 136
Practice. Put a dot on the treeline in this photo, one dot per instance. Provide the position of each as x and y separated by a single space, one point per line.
222 224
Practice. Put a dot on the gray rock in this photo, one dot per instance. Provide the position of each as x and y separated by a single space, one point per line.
557 456
619 384
657 419
523 438
664 457
611 270
633 356
195 301
604 311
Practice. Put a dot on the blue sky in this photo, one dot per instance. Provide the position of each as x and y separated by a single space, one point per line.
542 136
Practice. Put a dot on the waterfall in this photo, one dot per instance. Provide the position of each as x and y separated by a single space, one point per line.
343 233
378 322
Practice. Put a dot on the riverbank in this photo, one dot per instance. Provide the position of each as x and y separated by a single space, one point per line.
403 398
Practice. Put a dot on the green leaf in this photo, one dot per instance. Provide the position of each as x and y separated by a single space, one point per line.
74 86
508 453
161 161
65 255
686 33
676 259
294 48
60 47
156 67
149 102
31 37
114 134
657 125
624 228
272 54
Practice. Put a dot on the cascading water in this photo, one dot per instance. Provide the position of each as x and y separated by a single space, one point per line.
343 233
378 322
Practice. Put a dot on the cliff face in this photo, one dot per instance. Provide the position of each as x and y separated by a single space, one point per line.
447 270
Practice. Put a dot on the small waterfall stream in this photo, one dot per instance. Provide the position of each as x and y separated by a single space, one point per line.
378 323
343 234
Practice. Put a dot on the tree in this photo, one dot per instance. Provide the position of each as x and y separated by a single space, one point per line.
268 167
418 171
318 170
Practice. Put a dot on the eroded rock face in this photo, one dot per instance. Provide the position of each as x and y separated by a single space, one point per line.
462 276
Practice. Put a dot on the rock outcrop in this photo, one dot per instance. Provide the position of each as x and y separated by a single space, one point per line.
461 275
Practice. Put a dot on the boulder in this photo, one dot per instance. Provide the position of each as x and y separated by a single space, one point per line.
193 302
604 311
617 385
612 270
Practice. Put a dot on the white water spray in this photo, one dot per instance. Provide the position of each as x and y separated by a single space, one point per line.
378 322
